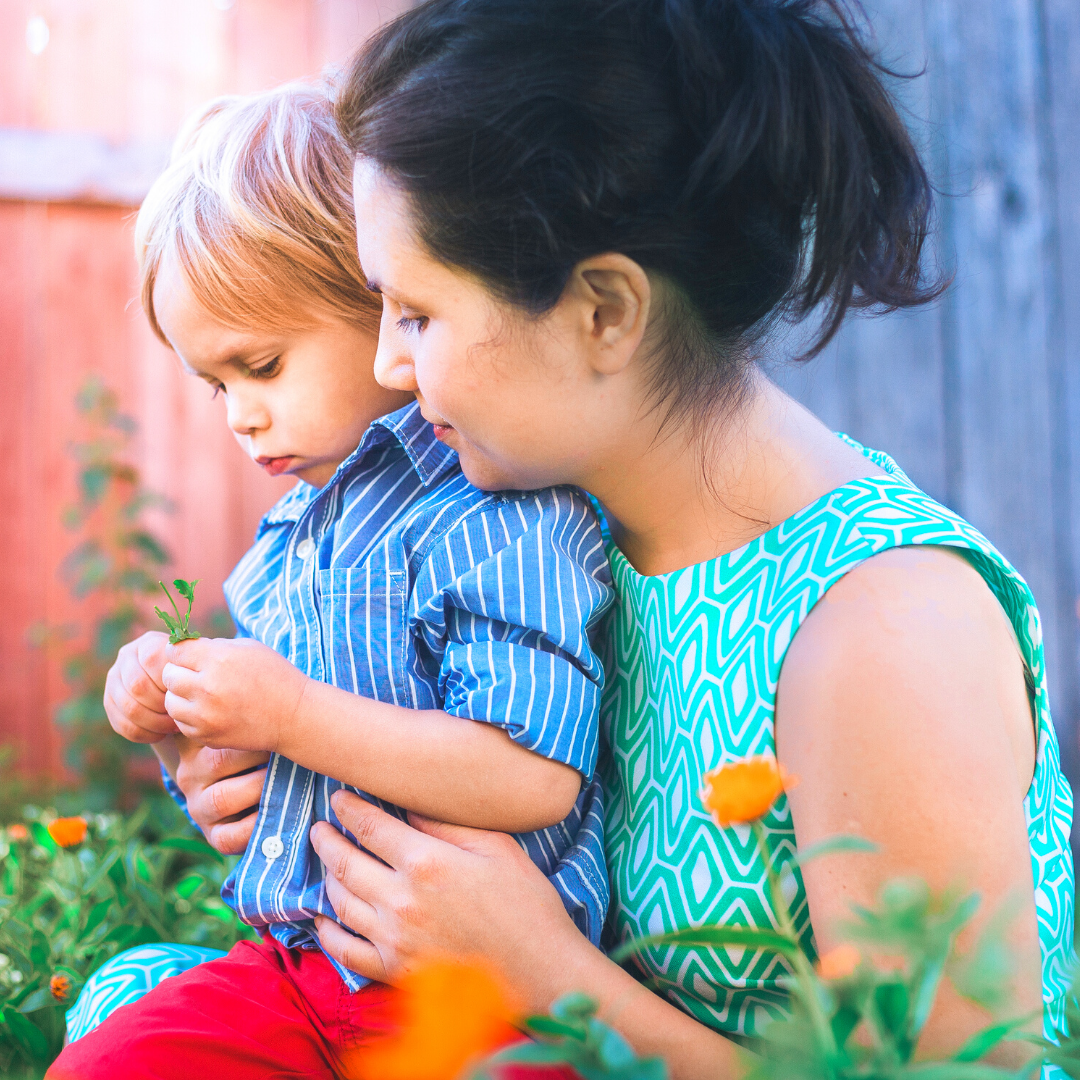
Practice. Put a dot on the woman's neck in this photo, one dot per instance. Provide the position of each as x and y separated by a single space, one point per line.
681 498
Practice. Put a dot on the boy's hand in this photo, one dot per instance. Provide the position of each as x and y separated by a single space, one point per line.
232 692
135 693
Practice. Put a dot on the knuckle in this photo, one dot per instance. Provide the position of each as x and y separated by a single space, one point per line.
217 800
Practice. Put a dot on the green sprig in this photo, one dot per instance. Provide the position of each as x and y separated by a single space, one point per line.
180 628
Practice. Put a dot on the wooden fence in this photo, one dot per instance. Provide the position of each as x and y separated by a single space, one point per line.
977 397
85 120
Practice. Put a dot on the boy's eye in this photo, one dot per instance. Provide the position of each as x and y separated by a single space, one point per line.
405 323
267 371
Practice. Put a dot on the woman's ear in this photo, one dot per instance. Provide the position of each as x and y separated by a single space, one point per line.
611 295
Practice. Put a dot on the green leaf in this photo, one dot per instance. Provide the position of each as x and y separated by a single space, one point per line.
39 999
982 1042
117 874
891 1000
843 1023
186 886
833 845
711 936
29 1036
195 847
39 949
96 917
186 589
42 837
548 1025
168 620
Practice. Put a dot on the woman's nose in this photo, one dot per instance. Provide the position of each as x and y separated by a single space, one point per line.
393 362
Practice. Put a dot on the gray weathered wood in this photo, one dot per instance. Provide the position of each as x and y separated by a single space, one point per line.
978 396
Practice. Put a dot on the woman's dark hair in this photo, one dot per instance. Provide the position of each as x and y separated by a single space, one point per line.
744 150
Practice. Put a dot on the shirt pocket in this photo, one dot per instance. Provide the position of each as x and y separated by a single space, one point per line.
363 620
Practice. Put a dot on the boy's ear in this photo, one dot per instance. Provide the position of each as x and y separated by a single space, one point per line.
612 296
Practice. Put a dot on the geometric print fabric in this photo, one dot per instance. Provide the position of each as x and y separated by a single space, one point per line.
692 663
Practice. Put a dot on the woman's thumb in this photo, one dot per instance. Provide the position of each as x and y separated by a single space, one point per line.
479 841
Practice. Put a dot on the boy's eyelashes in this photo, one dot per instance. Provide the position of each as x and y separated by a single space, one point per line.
265 371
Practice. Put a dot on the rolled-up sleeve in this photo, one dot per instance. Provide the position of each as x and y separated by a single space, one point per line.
506 605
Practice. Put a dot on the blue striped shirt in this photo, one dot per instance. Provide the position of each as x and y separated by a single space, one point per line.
402 582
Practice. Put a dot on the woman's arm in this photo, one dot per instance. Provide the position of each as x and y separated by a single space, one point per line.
903 710
448 890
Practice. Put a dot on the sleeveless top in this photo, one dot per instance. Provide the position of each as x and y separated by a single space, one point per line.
693 662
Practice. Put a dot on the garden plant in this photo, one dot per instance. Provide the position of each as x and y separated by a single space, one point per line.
75 891
850 1018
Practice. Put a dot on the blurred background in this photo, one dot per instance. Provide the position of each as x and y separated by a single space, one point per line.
116 470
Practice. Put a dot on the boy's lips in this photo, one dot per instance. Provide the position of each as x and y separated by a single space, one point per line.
275 466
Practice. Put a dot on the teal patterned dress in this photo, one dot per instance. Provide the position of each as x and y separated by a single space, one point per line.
692 666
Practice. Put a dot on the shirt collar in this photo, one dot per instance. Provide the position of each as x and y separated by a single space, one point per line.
430 458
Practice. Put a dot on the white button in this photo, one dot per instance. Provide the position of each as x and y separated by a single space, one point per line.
305 547
272 847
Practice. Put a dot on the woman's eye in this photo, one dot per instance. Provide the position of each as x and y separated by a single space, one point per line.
417 323
267 371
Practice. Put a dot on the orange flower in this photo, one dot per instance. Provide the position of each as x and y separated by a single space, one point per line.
60 986
742 792
839 963
68 831
18 831
445 1016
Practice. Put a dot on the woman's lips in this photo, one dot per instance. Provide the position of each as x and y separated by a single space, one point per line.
275 466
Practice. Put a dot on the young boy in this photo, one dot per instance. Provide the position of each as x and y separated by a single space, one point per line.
400 632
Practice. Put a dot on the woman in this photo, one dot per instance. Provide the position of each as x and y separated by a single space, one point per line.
584 217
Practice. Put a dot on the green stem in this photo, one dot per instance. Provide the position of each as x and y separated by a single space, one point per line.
179 619
804 970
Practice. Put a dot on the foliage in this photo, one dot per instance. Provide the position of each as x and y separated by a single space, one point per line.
179 626
115 564
65 911
572 1035
849 1018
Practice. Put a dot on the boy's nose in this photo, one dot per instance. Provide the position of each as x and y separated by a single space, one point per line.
245 415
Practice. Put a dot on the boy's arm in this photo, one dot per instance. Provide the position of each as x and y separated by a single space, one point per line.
508 631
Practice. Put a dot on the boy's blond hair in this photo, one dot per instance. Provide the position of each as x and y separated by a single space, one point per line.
256 205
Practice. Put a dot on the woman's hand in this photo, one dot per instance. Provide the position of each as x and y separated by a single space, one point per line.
221 796
445 890
231 692
441 890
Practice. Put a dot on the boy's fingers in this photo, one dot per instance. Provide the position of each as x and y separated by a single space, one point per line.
352 952
188 654
386 836
179 681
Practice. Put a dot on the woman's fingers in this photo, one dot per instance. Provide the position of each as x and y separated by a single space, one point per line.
231 837
225 799
354 953
355 913
381 833
360 873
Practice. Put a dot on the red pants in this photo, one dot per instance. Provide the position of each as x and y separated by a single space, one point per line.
263 1012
